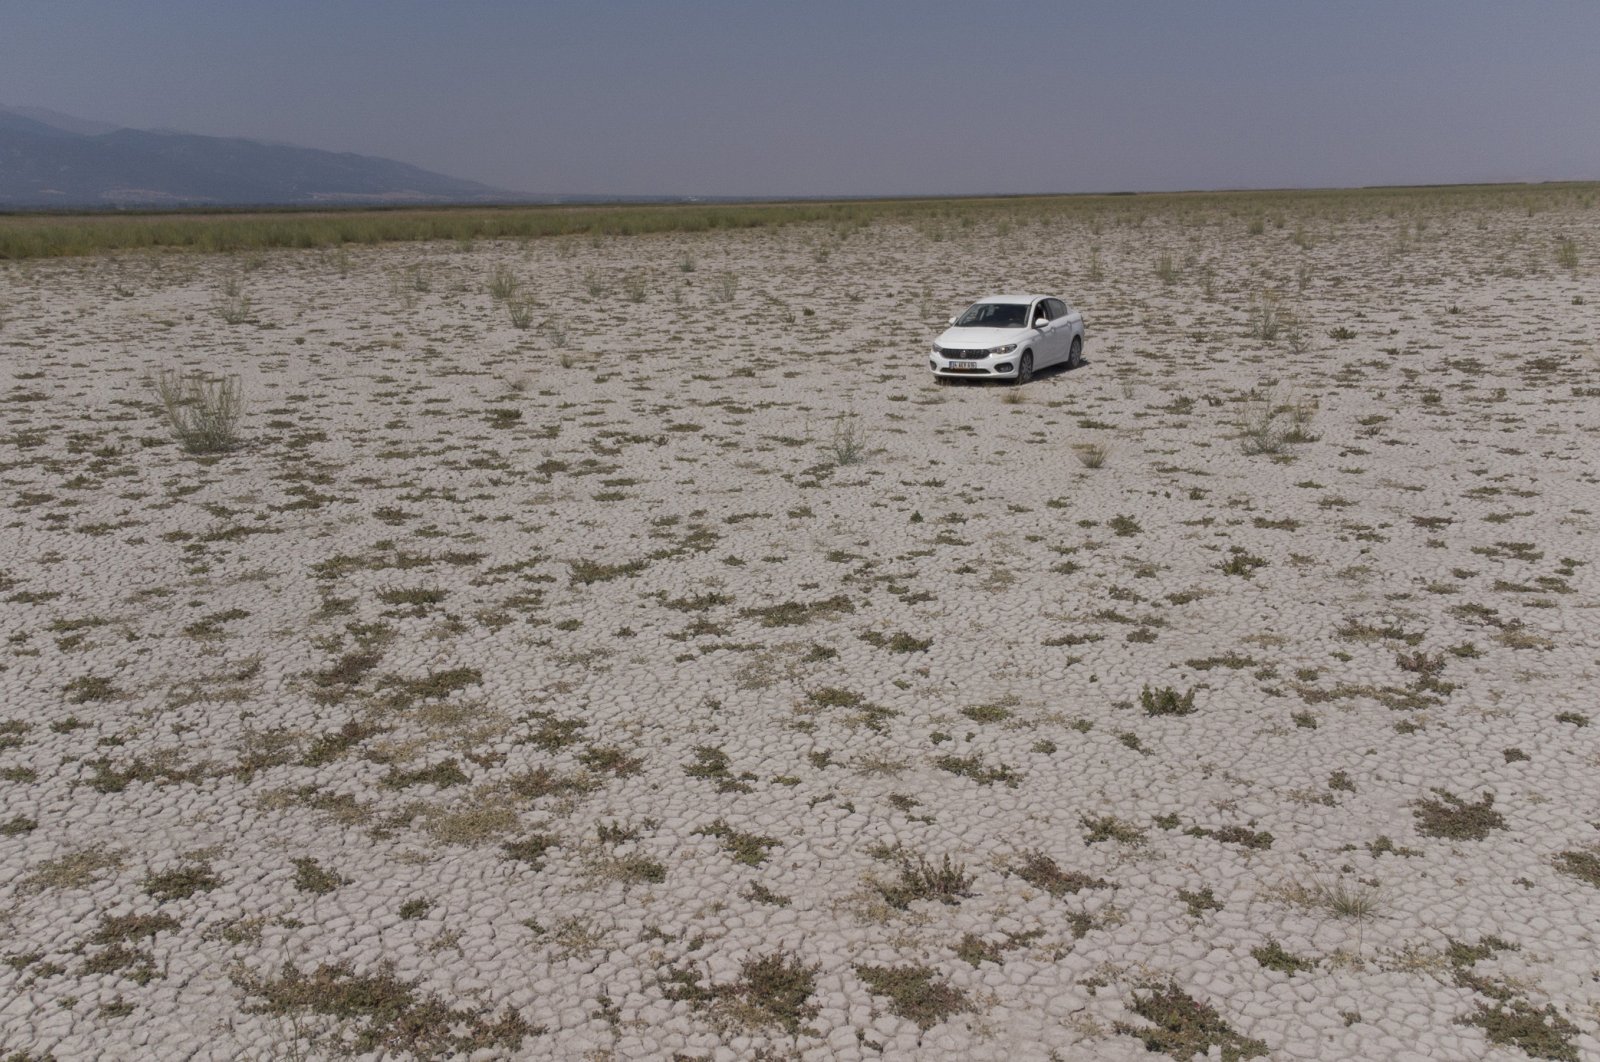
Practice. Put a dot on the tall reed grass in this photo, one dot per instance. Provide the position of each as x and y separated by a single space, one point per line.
47 234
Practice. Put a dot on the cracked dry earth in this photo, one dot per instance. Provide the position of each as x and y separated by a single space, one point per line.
687 675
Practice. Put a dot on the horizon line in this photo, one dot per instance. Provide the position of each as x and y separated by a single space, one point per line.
577 199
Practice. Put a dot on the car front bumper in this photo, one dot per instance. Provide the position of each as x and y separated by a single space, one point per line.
994 365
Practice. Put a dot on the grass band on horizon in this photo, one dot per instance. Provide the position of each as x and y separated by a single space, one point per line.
51 235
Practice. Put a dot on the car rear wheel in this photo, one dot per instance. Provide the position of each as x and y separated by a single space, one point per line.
1025 368
1075 355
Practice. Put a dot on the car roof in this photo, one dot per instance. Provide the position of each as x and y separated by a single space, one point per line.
1017 297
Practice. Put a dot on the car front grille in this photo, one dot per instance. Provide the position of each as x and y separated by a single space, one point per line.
965 355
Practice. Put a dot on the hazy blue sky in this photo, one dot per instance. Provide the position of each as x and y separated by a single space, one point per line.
828 97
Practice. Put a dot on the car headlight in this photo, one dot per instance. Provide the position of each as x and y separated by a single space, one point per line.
937 349
1007 349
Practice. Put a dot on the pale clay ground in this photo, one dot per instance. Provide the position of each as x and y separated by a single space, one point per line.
688 784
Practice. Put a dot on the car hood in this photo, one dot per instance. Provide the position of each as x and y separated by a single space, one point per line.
981 338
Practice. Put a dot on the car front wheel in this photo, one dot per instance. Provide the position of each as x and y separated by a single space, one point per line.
1025 368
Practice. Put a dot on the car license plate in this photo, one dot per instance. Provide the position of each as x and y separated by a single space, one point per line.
963 365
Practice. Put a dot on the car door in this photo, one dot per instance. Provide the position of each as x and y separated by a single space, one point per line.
1068 322
1047 349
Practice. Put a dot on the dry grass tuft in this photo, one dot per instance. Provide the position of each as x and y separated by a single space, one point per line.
202 412
1091 455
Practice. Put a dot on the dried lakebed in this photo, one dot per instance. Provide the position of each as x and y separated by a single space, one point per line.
686 674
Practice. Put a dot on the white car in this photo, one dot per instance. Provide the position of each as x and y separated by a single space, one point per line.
1009 336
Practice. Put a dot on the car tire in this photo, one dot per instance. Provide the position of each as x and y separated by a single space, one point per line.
1075 355
1025 368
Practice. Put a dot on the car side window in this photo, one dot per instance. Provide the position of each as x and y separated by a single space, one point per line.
1042 310
1058 308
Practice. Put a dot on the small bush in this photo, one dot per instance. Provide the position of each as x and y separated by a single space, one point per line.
1454 819
1266 318
747 848
502 284
773 989
182 882
1567 253
1585 866
381 1013
1273 956
1268 425
1166 701
1339 899
975 768
233 308
1295 340
1259 430
203 413
799 613
712 764
916 993
1199 901
559 338
1299 415
90 688
311 876
1242 563
987 713
530 850
1091 455
584 572
848 444
1184 1027
1111 828
1538 1033
441 775
520 311
1042 872
777 988
946 882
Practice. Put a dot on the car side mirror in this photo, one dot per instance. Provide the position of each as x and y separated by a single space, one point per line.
1040 323
953 320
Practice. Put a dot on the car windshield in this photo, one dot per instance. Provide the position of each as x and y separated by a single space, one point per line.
994 315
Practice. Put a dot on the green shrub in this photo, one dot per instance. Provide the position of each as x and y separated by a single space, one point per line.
1166 701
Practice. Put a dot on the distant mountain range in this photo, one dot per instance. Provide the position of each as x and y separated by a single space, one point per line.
55 160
